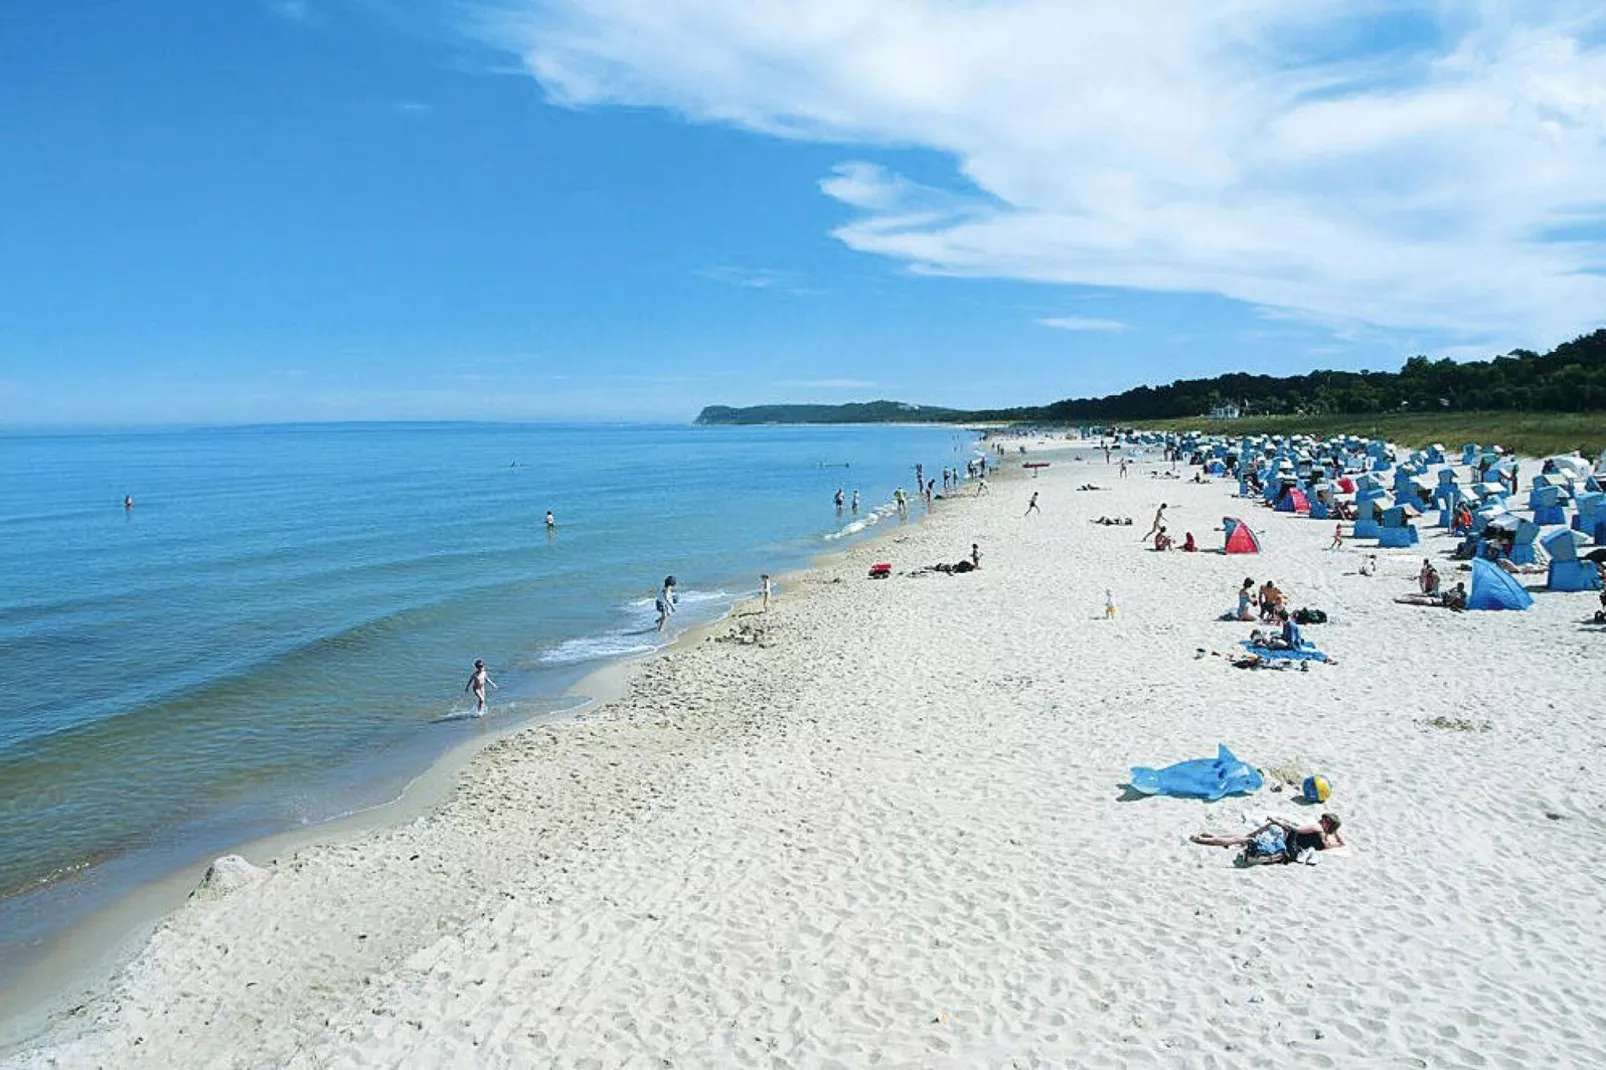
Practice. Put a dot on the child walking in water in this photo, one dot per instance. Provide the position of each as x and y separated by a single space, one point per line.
476 683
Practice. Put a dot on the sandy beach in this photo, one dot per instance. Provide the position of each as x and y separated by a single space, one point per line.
892 831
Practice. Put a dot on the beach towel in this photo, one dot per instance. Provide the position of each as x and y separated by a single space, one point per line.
1308 652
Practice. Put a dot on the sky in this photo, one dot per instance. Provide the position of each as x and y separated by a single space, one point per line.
224 211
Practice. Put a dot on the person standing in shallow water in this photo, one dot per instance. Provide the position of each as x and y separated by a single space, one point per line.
855 501
838 501
477 681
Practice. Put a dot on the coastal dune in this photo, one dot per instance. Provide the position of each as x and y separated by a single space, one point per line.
892 830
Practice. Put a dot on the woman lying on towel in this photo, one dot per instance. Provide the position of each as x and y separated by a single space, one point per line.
1278 840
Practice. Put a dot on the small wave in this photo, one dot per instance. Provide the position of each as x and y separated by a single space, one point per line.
620 644
864 523
684 598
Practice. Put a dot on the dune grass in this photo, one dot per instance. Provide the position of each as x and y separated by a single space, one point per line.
1533 434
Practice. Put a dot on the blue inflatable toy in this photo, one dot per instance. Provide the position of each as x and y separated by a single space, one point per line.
1201 778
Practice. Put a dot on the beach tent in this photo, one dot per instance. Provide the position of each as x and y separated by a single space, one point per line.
1240 540
1494 588
1293 501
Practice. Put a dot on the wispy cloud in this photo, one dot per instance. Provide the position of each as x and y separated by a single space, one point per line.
1083 323
1406 164
830 384
759 279
300 11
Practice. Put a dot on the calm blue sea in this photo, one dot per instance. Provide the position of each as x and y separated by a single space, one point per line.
279 630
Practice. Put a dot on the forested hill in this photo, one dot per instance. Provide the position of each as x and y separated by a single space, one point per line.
1570 378
862 412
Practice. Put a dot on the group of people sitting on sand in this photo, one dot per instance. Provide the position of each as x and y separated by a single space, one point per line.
1430 590
1163 541
1265 603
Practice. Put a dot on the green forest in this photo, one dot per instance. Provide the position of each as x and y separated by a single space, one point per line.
1570 378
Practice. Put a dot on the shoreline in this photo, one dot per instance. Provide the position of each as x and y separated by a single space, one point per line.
85 959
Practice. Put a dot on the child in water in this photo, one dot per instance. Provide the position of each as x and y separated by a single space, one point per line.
476 683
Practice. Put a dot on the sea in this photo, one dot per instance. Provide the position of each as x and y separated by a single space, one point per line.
277 630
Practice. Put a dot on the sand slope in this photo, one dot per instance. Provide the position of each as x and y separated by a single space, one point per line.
896 835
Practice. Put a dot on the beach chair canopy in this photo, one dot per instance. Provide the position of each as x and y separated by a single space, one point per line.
1495 588
1564 545
1240 540
1293 501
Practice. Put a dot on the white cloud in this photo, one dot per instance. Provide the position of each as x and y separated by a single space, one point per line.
1229 147
1083 323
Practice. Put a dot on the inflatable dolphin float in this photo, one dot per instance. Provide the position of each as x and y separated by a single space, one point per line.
1201 778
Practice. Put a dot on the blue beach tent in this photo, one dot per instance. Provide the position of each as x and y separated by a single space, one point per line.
1495 588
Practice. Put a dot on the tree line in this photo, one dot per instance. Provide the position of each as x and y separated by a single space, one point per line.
1570 378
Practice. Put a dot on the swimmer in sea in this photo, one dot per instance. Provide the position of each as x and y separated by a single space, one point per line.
476 683
551 521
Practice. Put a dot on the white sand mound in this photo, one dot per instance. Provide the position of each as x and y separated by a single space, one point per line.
227 874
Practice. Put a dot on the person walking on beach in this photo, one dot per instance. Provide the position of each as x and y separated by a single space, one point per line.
1338 537
981 486
1031 506
665 602
477 682
901 500
975 554
1159 522
764 581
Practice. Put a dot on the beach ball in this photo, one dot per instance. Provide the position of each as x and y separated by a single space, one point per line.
1316 789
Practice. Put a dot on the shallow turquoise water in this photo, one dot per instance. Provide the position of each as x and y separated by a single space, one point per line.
279 630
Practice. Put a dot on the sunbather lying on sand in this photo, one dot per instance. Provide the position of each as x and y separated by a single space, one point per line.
960 566
1278 840
1113 521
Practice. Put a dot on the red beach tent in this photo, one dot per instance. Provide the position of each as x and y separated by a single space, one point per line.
1240 540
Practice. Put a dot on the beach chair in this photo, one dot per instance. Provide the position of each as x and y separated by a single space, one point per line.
1396 530
1522 547
1546 500
1567 572
1590 519
1368 514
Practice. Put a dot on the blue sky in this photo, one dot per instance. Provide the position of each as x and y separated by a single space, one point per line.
262 210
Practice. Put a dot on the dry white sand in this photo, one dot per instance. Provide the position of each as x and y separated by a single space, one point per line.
894 834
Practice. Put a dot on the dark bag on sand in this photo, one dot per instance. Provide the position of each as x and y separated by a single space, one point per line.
1310 616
